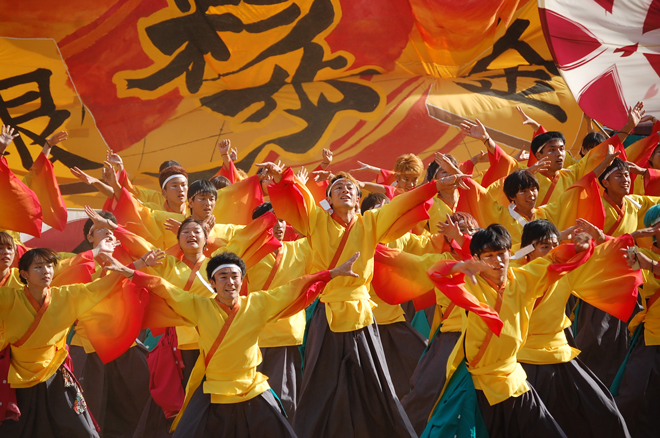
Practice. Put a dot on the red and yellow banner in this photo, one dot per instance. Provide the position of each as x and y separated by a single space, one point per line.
280 78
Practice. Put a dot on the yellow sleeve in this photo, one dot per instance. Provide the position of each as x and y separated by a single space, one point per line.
294 203
404 212
84 297
181 302
289 299
590 161
422 244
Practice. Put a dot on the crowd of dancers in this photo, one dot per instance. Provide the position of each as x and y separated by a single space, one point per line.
437 301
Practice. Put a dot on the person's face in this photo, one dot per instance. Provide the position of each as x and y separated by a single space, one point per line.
279 229
466 228
542 248
654 161
39 274
406 182
175 191
202 205
618 183
526 199
499 263
227 283
7 253
344 195
96 236
554 149
192 238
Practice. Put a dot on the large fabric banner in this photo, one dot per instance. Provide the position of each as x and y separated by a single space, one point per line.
608 52
281 78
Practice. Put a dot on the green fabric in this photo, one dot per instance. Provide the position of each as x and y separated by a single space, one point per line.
421 324
576 314
437 332
309 313
279 402
150 341
457 413
72 332
614 389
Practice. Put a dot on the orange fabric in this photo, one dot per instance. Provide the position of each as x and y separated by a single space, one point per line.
42 181
273 271
454 290
236 202
21 210
232 174
193 271
317 189
555 180
231 314
501 165
532 159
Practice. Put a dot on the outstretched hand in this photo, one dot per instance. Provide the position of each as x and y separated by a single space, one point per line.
527 120
110 264
452 181
540 166
322 175
172 225
475 129
470 268
303 175
346 268
153 257
364 166
98 221
7 136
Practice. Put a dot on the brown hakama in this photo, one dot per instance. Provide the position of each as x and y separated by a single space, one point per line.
428 379
116 392
403 346
347 390
258 417
580 403
519 417
283 366
153 423
639 392
51 409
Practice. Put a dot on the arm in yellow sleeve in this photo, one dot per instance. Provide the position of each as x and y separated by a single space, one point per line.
180 301
291 298
84 297
294 203
145 196
403 213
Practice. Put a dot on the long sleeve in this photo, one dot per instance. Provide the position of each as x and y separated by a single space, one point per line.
255 241
403 213
235 203
42 181
21 210
501 165
291 298
294 203
478 202
134 245
180 301
83 297
614 289
146 196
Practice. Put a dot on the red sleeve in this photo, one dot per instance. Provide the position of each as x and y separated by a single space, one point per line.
21 210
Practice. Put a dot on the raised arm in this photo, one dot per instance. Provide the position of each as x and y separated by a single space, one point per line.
292 201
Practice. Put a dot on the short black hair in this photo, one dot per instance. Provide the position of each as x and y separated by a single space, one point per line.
493 238
433 167
518 181
168 163
105 215
539 230
225 258
30 256
189 220
262 210
220 182
202 186
373 199
592 139
618 163
542 139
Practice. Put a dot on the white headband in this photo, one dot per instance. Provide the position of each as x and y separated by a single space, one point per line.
329 189
522 252
538 151
226 265
171 177
607 175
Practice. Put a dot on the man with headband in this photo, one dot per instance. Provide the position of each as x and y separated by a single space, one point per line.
549 148
343 345
599 334
226 396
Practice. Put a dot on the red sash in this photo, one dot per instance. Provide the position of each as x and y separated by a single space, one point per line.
620 212
551 189
276 266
